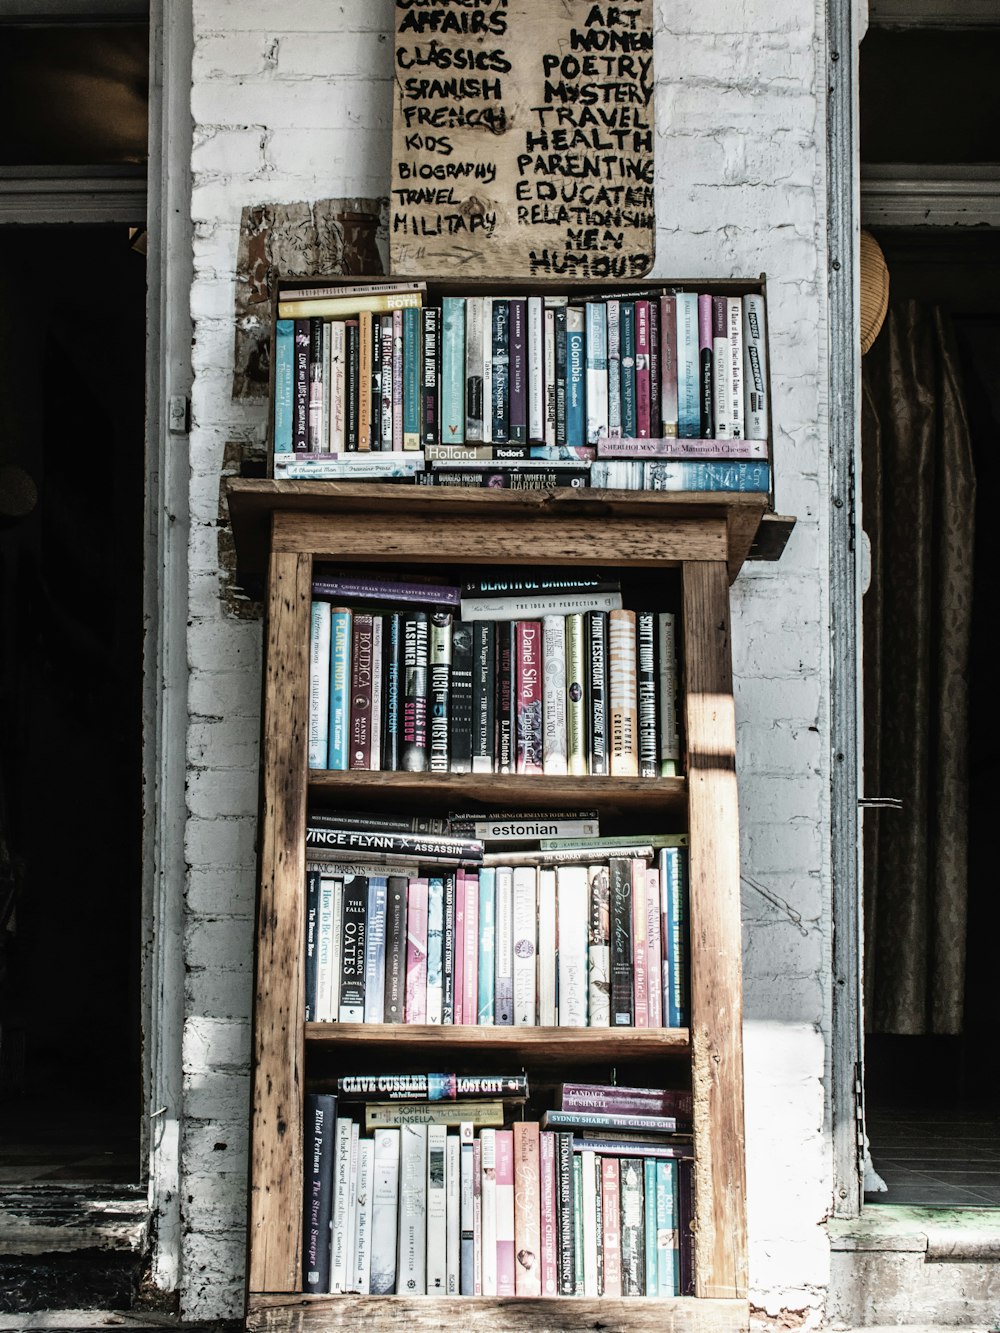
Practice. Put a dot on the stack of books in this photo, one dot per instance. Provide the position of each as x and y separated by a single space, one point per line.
440 1198
405 927
660 389
554 676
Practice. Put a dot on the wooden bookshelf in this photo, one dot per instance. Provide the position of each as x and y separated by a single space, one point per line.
704 539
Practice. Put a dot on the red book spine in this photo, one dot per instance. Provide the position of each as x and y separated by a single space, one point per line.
527 1210
362 662
668 366
642 387
611 1216
654 990
528 647
549 1226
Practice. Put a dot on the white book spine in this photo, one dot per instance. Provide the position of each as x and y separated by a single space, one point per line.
525 922
411 1263
530 607
363 1218
351 1222
477 1218
757 408
536 370
488 1226
549 353
338 339
435 949
554 694
385 1207
467 1276
336 947
453 1192
503 949
721 385
572 892
375 950
341 1193
734 325
437 1211
588 1161
599 949
597 371
474 369
324 949
547 948
487 370
319 684
325 352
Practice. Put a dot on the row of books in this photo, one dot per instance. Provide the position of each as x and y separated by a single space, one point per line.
588 940
590 691
519 1211
365 371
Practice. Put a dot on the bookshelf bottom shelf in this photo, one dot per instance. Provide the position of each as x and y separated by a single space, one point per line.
277 1313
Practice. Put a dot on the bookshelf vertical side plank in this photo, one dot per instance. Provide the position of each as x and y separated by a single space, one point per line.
277 1133
715 940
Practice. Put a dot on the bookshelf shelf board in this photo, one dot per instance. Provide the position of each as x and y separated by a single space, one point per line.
687 515
564 1045
277 1313
511 790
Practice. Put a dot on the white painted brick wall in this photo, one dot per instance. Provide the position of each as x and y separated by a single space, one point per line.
292 102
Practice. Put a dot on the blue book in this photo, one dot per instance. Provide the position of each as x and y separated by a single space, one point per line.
630 419
597 371
673 933
319 684
412 374
312 921
453 370
435 948
284 385
501 370
576 379
378 889
649 1199
693 475
688 368
667 1250
340 688
487 906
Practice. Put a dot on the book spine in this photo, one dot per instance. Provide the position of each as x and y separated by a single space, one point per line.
384 1210
323 430
668 365
734 372
642 389
453 369
622 988
453 1250
503 948
394 1005
527 605
312 932
501 370
578 1223
413 754
673 895
340 679
640 948
284 385
547 1016
667 1274
300 401
439 651
548 1215
468 1235
506 711
350 1219
597 385
688 396
477 1218
625 1101
416 950
527 1209
756 408
706 369
384 406
576 378
591 1250
361 691
366 361
435 950
473 369
613 318
338 306
597 712
375 949
564 1197
549 355
622 695
655 371
397 380
575 695
483 695
670 747
688 475
437 1211
341 1190
633 1251
630 426
379 324
599 947
554 743
572 894
363 1218
350 291
487 371
412 374
525 917
654 949
506 1266
352 955
647 680
411 1264
458 984
488 1203
535 357
611 1226
460 703
338 355
560 341
448 956
487 932
391 662
323 1010
518 369
721 388
685 1226
528 641
651 1280
319 685
430 363
319 1114
470 966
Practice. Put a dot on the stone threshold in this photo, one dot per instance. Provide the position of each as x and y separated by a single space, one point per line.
942 1235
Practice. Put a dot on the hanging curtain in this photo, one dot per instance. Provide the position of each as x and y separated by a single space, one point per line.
918 502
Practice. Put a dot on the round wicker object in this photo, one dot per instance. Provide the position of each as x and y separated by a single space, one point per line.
874 289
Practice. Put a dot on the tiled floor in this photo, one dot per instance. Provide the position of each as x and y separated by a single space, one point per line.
936 1158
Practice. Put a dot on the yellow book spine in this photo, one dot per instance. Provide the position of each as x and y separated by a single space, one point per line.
337 307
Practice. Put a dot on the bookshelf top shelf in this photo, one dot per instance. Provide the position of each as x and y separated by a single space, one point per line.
253 502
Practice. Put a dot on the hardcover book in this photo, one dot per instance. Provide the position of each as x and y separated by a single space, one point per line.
411 1263
668 365
437 1211
576 694
527 1209
548 1215
576 380
413 756
528 691
757 412
284 384
622 695
524 960
506 1264
416 951
320 1112
453 369
352 950
518 369
706 370
440 653
688 395
394 1007
503 948
554 739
